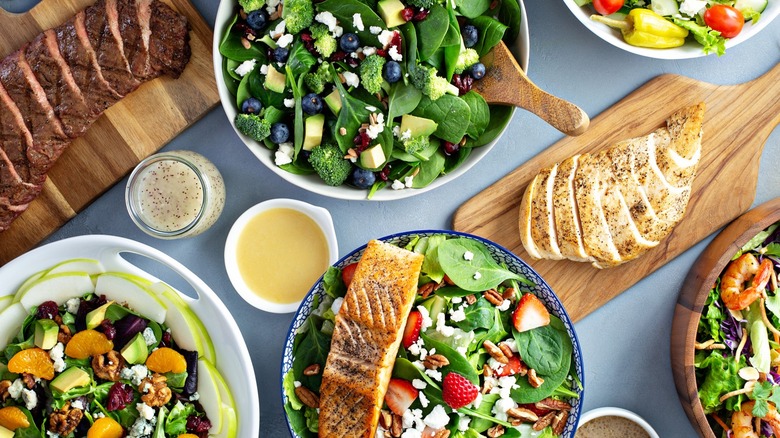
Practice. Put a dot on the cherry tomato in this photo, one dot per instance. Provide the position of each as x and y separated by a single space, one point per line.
607 7
348 272
725 19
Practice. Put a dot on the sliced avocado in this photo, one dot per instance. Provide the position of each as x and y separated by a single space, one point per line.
313 131
136 351
95 317
5 433
333 100
46 332
391 12
417 126
373 157
73 377
274 80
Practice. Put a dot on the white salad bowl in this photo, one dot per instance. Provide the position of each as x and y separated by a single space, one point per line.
691 49
502 255
227 350
313 183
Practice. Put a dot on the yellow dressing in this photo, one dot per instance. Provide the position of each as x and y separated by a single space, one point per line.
281 253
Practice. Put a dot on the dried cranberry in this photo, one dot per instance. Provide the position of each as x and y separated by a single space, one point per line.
108 329
421 15
47 310
463 83
338 56
365 140
99 300
198 425
407 13
119 396
245 30
395 41
384 174
353 62
381 52
167 340
357 140
450 148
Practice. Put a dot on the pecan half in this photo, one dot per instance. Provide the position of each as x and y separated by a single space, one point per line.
487 371
523 414
552 404
495 352
155 390
108 366
434 361
533 379
493 297
506 350
559 422
427 289
509 294
385 419
4 385
471 299
441 433
312 370
398 426
544 421
307 397
495 431
64 421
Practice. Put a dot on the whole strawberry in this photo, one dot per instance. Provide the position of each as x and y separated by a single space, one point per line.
458 391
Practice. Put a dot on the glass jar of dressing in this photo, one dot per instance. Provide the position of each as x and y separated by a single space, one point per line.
175 194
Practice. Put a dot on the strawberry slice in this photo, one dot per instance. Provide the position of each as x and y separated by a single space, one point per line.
400 395
412 330
458 391
348 273
514 366
530 314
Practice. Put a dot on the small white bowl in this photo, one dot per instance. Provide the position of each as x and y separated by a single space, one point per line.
617 412
319 215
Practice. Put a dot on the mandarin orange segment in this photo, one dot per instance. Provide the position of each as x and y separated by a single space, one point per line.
13 418
33 361
88 343
166 360
105 427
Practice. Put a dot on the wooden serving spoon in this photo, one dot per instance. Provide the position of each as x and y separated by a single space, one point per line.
505 83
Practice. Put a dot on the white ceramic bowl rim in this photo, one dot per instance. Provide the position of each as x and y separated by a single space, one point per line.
618 412
319 215
313 183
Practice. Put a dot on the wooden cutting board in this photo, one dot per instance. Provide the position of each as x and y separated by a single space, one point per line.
137 126
738 120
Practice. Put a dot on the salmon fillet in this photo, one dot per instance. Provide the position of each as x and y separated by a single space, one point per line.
367 334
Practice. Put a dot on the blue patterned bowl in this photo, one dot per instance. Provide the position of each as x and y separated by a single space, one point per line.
500 254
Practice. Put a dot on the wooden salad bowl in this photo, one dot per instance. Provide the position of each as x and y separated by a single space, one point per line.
694 294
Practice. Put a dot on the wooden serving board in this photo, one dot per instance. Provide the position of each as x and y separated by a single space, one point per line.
738 119
134 128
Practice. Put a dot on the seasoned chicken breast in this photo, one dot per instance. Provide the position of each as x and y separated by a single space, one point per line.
567 227
525 218
542 216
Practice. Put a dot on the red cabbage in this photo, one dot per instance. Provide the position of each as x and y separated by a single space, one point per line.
127 328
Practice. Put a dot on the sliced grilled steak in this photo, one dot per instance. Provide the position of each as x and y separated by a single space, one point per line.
15 138
9 212
55 78
134 27
14 191
75 48
169 44
103 30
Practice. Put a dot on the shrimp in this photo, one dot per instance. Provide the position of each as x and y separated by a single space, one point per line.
738 273
742 421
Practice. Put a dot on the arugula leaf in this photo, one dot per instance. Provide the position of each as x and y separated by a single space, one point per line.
710 39
478 274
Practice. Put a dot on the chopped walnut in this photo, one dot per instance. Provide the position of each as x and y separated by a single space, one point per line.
155 390
64 421
108 366
4 385
28 380
64 335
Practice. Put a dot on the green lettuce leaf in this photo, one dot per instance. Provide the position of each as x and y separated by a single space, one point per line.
710 40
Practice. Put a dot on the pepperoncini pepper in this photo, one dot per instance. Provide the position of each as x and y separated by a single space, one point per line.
645 28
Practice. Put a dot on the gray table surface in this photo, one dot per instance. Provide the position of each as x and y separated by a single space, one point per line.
625 343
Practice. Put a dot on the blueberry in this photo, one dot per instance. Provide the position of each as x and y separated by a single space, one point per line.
281 54
349 42
280 132
258 19
362 178
470 35
392 72
477 71
311 104
251 106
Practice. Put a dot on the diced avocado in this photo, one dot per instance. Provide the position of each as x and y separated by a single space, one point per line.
373 157
391 12
417 126
135 352
313 131
333 100
274 80
95 317
46 332
73 377
5 433
269 41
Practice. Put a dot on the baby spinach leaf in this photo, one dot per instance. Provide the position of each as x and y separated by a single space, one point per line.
525 393
451 113
230 82
300 60
490 33
472 8
500 116
314 348
485 408
509 13
402 99
480 114
353 114
454 161
258 90
431 265
453 291
478 274
478 315
409 33
344 10
232 48
458 362
540 348
297 89
297 421
452 43
429 170
242 93
432 31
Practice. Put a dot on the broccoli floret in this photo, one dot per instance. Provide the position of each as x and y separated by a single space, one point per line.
316 80
424 78
330 164
466 59
371 73
298 15
253 126
324 42
251 5
425 4
415 145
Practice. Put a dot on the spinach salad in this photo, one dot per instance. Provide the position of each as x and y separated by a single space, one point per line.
366 93
480 356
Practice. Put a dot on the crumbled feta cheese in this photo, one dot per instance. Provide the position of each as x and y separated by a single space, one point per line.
337 31
357 21
502 405
385 37
264 69
468 256
72 305
297 384
692 7
77 404
457 315
246 67
396 130
272 3
411 433
406 135
284 154
289 103
434 374
146 411
426 318
30 399
195 396
51 434
141 428
511 344
375 129
351 79
284 40
375 30
442 327
149 336
394 54
368 50
98 414
380 432
504 305
409 181
423 399
57 354
437 418
336 306
15 390
495 365
371 108
278 30
139 372
463 424
477 275
477 401
456 300
398 185
419 384
327 19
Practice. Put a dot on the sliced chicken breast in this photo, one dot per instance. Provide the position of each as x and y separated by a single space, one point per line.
526 209
543 216
596 237
567 222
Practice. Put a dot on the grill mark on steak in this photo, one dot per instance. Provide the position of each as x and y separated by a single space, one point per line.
134 18
103 31
15 138
169 44
75 48
53 74
14 191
